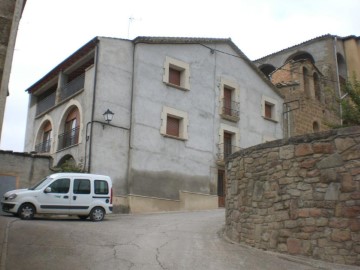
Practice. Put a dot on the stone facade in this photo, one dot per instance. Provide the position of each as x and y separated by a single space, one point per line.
10 14
311 76
299 196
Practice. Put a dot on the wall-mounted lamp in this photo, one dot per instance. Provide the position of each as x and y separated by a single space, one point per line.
108 116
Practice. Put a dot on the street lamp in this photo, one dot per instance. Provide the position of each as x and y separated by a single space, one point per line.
108 116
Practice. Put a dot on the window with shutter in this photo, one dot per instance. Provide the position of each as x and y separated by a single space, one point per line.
174 76
173 126
268 110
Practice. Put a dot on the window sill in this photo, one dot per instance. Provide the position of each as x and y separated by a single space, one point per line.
230 117
174 137
177 86
270 119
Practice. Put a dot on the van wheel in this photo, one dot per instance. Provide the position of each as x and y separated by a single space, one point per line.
26 211
83 217
97 214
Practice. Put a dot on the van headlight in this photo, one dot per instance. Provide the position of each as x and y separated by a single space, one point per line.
12 196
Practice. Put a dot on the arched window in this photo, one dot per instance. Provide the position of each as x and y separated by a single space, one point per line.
71 130
317 86
45 140
306 82
316 127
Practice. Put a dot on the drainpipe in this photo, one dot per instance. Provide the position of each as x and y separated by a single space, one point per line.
128 174
92 108
337 77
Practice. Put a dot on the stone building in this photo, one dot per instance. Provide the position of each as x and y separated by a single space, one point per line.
10 14
178 108
310 76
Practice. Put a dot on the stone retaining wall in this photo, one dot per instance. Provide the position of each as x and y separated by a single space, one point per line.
299 196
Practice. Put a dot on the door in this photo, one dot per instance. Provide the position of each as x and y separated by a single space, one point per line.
221 188
81 197
56 201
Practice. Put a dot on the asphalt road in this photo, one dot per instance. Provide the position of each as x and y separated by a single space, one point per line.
181 240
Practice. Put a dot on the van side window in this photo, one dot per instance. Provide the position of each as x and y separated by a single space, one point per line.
101 187
60 186
81 186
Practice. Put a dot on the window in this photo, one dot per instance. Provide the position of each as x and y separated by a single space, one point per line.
269 108
101 187
229 137
229 103
60 186
172 126
176 73
174 76
81 186
174 123
316 127
71 130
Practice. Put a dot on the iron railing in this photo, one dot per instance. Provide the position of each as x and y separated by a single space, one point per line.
72 87
225 150
43 147
46 103
68 138
230 108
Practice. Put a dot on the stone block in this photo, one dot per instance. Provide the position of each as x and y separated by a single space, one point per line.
344 143
351 211
347 183
339 223
286 152
303 150
340 235
335 160
333 192
323 148
294 246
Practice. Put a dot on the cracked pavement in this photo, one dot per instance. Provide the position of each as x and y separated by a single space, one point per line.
180 240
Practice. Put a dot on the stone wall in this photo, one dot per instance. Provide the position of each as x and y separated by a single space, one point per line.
25 167
299 196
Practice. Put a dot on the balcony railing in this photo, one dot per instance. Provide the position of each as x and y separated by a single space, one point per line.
230 109
68 138
46 103
225 150
72 87
43 147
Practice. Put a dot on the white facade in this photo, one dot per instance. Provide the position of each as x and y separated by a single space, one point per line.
152 168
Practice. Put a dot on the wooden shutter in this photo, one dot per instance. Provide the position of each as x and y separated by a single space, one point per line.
173 126
174 76
227 101
268 108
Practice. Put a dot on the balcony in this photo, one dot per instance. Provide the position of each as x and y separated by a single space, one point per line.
68 138
230 110
46 103
43 147
225 150
72 87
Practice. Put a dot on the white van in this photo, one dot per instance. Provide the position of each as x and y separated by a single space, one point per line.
84 195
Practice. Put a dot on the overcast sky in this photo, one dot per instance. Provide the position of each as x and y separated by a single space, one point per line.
51 30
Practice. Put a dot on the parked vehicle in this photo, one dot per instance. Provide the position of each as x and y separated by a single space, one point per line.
84 195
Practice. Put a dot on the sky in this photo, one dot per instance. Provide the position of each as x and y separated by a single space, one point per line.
51 30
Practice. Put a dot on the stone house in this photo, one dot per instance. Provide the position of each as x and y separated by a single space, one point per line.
310 75
10 15
178 108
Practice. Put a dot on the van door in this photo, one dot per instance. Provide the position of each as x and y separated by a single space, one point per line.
57 200
81 196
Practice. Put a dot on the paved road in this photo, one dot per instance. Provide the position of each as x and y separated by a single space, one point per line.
187 240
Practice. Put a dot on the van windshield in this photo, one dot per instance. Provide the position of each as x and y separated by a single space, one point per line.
41 183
